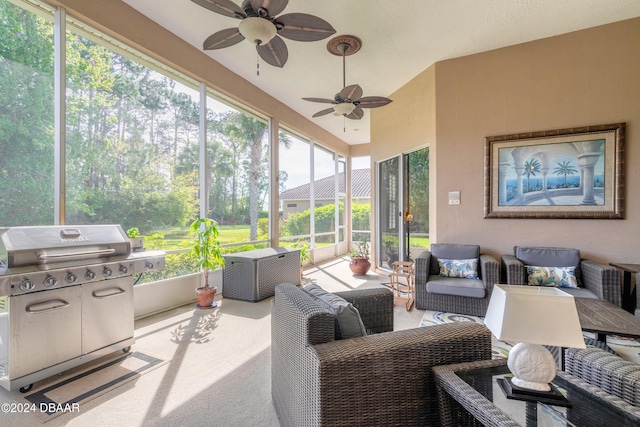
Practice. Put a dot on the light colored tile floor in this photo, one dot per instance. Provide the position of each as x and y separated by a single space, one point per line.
219 370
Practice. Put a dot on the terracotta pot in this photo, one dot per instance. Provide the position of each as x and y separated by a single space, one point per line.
359 266
206 295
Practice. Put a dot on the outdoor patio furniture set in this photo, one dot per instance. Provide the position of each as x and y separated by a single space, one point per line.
470 290
333 367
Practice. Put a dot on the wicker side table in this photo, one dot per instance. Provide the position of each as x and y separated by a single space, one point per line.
468 395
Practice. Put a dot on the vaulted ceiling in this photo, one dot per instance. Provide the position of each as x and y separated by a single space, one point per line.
400 38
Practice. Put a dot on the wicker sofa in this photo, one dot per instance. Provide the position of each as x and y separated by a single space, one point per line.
383 378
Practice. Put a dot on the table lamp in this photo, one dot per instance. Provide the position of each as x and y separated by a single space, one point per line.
533 316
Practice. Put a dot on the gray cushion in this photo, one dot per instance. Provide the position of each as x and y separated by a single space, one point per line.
550 257
348 322
451 251
473 288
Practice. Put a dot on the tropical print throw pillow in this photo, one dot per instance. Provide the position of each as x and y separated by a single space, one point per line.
561 277
465 268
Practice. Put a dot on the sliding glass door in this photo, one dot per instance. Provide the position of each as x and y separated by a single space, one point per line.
416 199
389 211
403 207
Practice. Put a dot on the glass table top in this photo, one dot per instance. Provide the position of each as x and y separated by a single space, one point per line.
586 408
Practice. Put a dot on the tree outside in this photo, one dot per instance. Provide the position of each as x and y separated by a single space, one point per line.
132 144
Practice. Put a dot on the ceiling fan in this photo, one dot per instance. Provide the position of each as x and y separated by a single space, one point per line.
349 101
260 25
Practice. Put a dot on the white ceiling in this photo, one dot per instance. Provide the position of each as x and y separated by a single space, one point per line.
400 38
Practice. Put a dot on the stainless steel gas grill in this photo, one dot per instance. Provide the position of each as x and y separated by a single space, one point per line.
66 298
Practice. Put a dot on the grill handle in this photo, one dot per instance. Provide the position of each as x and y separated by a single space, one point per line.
46 306
76 254
109 292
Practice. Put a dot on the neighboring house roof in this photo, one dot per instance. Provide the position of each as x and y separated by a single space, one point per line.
325 188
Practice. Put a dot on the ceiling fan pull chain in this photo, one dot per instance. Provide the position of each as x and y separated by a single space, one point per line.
257 63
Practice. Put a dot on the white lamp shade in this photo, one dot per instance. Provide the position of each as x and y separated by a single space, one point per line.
257 30
535 315
344 108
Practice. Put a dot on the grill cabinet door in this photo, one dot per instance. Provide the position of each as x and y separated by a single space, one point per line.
47 328
107 313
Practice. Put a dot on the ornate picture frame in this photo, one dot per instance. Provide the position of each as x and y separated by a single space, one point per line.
564 173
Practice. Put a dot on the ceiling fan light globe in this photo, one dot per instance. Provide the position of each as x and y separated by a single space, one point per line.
257 30
344 108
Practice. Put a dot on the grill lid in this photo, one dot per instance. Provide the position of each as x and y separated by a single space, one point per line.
23 246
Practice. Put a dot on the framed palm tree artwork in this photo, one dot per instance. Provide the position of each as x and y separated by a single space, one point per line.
563 173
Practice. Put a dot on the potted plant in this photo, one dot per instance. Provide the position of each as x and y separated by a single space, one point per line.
206 246
359 254
136 239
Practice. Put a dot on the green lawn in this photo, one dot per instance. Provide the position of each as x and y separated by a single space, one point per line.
175 237
234 233
419 242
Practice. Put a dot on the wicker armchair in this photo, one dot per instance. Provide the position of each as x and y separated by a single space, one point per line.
377 380
595 280
427 271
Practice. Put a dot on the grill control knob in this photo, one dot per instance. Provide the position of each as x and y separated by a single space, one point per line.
149 265
123 269
49 282
71 278
90 275
27 285
107 272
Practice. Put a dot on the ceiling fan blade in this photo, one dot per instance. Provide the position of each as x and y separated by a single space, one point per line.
356 114
273 7
303 27
352 93
323 112
274 53
223 38
323 100
223 7
373 102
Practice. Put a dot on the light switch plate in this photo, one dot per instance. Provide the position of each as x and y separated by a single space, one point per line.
454 197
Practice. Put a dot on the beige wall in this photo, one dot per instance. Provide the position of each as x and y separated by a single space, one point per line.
408 122
588 77
300 206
